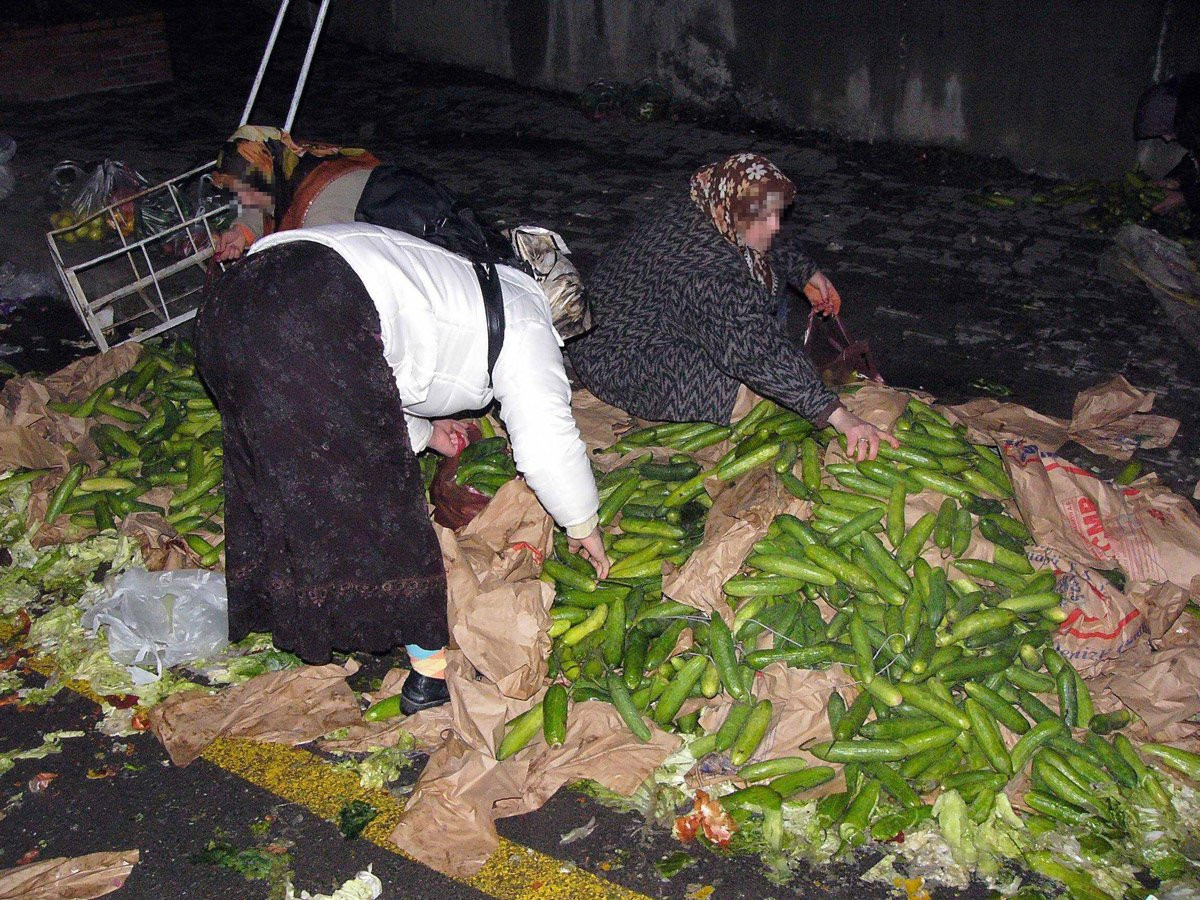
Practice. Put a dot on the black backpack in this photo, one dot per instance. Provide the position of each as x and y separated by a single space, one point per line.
399 198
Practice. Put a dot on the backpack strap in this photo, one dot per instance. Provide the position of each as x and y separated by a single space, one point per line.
493 311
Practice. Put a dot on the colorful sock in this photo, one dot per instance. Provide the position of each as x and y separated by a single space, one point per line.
430 663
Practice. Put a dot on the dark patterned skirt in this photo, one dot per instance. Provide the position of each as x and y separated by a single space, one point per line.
328 543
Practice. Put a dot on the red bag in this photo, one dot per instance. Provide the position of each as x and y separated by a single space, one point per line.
838 357
454 504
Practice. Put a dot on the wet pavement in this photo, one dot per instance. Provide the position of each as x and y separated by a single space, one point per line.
946 291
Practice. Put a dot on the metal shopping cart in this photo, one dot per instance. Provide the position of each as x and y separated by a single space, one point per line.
155 245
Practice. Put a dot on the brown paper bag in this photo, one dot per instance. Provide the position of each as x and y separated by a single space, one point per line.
1102 625
1109 419
1160 687
990 421
738 518
77 878
599 423
448 823
1152 534
162 548
293 707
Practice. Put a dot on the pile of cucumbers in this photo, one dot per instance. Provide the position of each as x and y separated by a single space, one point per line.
944 652
613 640
153 426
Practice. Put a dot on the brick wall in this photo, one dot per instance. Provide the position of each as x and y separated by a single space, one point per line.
54 61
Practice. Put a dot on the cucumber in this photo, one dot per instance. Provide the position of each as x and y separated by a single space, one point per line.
791 567
521 731
554 715
858 751
772 768
752 733
625 707
807 779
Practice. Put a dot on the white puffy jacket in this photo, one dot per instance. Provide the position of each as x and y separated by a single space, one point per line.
435 341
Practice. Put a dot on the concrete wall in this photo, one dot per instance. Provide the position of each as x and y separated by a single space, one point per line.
1051 85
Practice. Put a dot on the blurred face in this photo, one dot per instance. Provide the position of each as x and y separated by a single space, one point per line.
251 197
759 233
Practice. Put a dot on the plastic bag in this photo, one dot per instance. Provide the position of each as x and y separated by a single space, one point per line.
839 358
158 213
454 504
162 618
93 186
546 253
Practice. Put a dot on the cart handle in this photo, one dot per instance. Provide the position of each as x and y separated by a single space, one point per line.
262 66
308 57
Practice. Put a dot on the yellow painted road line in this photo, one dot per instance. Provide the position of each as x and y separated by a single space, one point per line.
514 872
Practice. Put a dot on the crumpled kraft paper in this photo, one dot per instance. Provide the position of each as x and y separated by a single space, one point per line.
513 521
448 822
878 404
497 605
1160 687
24 449
990 421
494 670
426 727
798 716
63 878
293 707
499 627
77 380
798 697
162 548
599 423
738 517
1110 419
31 434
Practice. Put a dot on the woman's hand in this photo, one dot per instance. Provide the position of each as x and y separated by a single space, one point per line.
823 295
449 437
862 438
229 244
591 548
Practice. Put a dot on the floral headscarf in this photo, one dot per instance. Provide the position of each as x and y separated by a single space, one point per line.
737 191
269 160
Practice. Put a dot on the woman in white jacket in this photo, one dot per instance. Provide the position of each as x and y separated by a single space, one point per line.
335 354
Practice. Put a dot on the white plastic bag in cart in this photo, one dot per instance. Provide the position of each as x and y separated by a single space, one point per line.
161 619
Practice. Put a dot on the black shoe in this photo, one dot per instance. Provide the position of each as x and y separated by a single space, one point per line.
422 692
